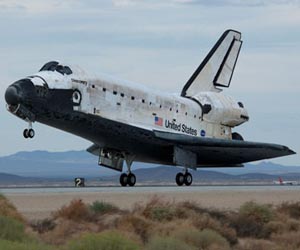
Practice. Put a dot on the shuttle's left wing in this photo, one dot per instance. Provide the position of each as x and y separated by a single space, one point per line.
221 152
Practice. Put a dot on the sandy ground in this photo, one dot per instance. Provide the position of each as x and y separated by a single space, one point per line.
41 205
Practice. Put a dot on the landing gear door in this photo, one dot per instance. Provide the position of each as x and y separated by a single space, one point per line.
111 159
184 158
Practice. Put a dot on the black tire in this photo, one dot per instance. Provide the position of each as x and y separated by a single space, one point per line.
179 179
188 179
25 133
131 180
123 180
31 133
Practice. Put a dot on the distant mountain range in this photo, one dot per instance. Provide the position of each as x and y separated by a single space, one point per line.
39 166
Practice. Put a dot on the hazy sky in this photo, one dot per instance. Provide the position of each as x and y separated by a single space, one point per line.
159 44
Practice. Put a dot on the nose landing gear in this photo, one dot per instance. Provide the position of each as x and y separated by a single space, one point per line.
29 133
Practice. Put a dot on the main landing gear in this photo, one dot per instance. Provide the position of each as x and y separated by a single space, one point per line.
184 178
129 178
29 133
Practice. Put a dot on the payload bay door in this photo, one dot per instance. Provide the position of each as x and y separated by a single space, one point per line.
184 158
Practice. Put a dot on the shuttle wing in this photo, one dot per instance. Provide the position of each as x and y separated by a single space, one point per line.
221 152
217 68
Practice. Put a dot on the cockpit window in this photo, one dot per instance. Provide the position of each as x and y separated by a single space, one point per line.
55 66
68 71
50 66
60 69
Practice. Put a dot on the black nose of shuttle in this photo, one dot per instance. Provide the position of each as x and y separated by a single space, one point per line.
19 92
11 95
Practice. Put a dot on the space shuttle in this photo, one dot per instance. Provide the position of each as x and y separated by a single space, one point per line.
127 122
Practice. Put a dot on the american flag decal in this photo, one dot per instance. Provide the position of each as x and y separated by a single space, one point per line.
158 121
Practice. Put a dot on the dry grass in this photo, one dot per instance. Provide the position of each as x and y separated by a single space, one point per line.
252 219
290 209
66 230
11 229
287 240
42 226
167 243
101 207
137 224
258 244
205 239
110 240
7 209
157 209
161 224
160 221
75 211
205 221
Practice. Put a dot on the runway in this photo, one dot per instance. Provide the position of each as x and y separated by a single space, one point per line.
39 203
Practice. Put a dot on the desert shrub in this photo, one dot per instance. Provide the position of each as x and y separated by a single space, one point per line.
255 244
8 245
210 238
261 213
161 213
42 226
209 218
276 227
11 229
291 209
248 227
101 207
8 209
76 211
214 213
167 243
103 241
180 212
292 225
288 240
136 224
201 239
158 210
166 228
228 233
65 230
205 221
251 220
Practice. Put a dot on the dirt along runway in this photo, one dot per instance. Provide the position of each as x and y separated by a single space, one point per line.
40 203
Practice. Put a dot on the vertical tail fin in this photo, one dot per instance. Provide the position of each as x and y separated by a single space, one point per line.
217 68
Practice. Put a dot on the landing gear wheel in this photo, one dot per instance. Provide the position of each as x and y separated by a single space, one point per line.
28 133
124 179
131 179
180 179
188 179
25 133
31 133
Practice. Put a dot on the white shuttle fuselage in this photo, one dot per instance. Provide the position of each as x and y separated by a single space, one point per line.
143 107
